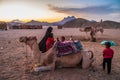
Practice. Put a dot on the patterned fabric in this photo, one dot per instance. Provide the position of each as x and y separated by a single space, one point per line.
78 45
65 48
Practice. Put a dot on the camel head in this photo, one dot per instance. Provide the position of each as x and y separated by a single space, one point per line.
23 39
28 40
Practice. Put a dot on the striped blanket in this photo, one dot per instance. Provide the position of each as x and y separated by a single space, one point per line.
65 48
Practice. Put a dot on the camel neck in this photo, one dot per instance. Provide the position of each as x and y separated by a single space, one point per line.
36 52
35 48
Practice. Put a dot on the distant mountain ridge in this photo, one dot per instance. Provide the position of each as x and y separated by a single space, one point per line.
69 22
15 22
33 22
75 23
110 24
79 22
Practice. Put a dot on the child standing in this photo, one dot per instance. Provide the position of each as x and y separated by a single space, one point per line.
107 57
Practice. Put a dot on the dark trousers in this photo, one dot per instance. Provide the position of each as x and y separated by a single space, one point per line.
108 61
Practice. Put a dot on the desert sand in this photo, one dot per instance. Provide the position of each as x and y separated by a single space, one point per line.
13 60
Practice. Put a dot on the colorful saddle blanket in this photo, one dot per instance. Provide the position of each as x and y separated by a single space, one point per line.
78 45
65 48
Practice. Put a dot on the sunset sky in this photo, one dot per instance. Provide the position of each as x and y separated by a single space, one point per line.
55 10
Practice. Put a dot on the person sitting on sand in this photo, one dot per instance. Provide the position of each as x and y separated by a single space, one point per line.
107 57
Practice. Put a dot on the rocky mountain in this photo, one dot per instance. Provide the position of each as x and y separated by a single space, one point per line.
93 21
75 23
66 19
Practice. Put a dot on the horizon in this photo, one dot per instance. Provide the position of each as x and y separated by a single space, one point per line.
52 21
51 11
27 20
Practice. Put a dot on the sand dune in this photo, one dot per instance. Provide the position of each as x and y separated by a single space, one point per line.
13 62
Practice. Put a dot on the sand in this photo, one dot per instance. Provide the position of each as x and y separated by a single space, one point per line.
13 63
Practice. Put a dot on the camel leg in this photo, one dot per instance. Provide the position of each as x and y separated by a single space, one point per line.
54 61
42 68
47 67
87 61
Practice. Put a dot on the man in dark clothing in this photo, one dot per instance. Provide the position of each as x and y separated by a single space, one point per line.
42 43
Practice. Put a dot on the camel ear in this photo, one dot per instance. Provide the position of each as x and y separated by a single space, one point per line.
23 39
35 37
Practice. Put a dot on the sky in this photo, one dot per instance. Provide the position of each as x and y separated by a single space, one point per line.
56 10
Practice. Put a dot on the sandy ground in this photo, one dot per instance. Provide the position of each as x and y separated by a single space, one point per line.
13 62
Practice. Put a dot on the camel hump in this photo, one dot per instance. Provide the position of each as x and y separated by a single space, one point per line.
92 55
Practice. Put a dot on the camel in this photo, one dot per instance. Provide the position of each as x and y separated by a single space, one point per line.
49 60
92 31
96 29
86 30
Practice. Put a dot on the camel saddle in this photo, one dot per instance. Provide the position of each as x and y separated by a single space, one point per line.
65 48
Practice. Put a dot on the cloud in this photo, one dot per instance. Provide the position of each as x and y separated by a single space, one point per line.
103 9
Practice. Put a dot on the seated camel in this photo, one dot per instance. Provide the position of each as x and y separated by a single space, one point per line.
49 60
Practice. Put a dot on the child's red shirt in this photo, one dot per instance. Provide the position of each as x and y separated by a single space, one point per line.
108 53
